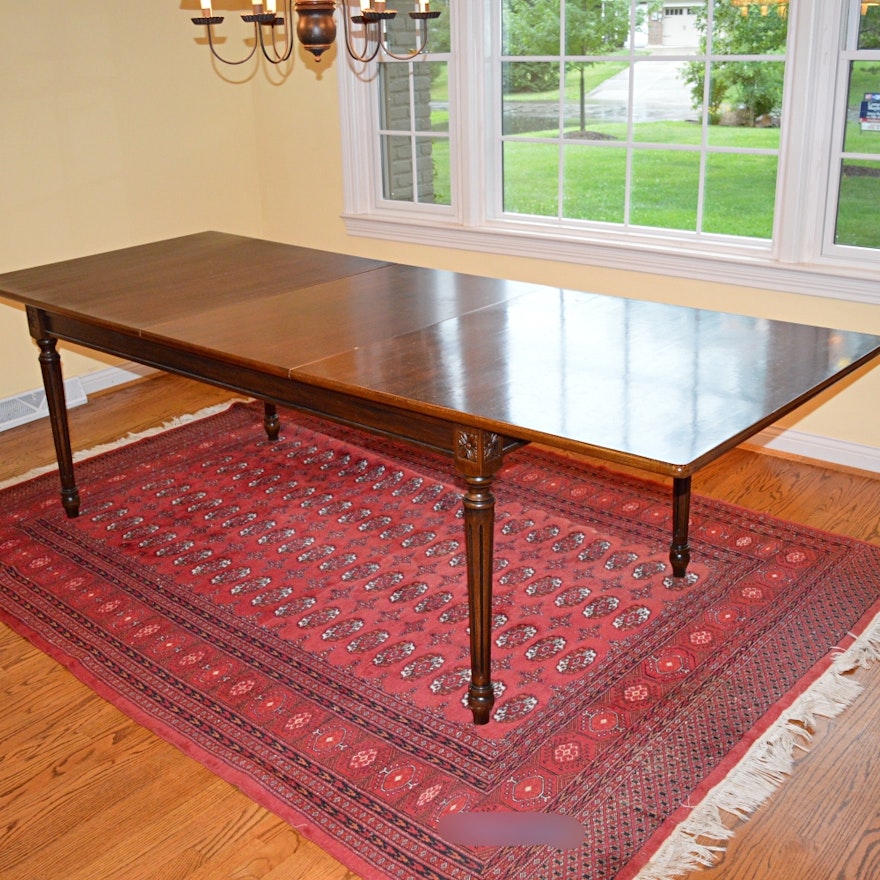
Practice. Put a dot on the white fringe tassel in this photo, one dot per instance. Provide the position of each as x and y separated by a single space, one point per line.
125 441
700 839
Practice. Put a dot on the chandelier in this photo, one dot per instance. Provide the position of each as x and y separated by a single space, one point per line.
316 28
764 5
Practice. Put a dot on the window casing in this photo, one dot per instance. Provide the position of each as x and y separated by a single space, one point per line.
803 253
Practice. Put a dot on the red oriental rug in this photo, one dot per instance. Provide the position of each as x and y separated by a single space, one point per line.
294 614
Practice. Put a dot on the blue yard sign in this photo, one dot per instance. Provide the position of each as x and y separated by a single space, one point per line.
869 112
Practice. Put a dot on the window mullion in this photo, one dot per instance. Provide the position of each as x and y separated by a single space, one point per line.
472 131
807 118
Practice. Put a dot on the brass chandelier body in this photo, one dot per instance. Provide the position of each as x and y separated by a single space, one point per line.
316 28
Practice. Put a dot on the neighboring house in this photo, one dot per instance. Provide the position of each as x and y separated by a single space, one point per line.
675 25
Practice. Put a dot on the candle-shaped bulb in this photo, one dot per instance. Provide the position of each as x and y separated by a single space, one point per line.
424 6
365 5
270 6
206 9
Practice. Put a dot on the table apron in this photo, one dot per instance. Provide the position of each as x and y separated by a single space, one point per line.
379 418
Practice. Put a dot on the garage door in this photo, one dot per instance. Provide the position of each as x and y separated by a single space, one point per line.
680 26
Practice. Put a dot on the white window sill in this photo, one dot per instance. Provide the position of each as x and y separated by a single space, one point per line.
747 266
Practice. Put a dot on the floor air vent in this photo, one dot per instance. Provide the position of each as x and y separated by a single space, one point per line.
31 405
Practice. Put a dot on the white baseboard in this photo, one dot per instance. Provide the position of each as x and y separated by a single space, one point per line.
818 448
109 377
800 443
28 406
32 405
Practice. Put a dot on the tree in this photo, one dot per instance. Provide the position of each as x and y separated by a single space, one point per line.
594 27
869 27
753 86
532 27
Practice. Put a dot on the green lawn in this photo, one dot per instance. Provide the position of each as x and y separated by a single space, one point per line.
740 188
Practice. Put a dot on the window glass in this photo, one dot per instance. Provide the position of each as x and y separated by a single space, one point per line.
414 111
531 174
595 183
699 135
701 84
869 26
859 180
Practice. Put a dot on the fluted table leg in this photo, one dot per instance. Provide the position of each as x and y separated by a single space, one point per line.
478 455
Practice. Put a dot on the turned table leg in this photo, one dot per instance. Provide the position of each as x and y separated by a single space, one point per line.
53 382
679 552
271 422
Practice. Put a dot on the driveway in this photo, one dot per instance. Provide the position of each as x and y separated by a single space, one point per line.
659 92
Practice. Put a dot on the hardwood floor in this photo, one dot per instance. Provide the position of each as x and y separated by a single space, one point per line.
87 793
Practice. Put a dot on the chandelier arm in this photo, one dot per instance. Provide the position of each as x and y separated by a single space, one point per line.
276 58
410 55
365 56
288 35
220 58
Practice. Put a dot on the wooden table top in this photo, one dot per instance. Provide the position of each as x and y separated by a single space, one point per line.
663 387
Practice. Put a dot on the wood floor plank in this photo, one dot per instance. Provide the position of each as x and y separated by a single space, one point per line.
112 802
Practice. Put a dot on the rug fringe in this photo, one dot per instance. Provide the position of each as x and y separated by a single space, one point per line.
701 838
126 440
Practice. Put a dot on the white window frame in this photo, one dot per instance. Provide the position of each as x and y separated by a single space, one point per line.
801 258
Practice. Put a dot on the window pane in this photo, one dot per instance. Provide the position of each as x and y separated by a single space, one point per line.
631 83
405 35
664 97
397 165
857 206
531 178
415 100
530 97
530 28
394 106
747 93
859 177
869 26
595 27
414 96
595 183
863 110
437 95
435 185
665 189
416 169
749 27
596 98
740 194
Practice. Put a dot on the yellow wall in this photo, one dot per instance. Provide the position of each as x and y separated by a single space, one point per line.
114 130
117 130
